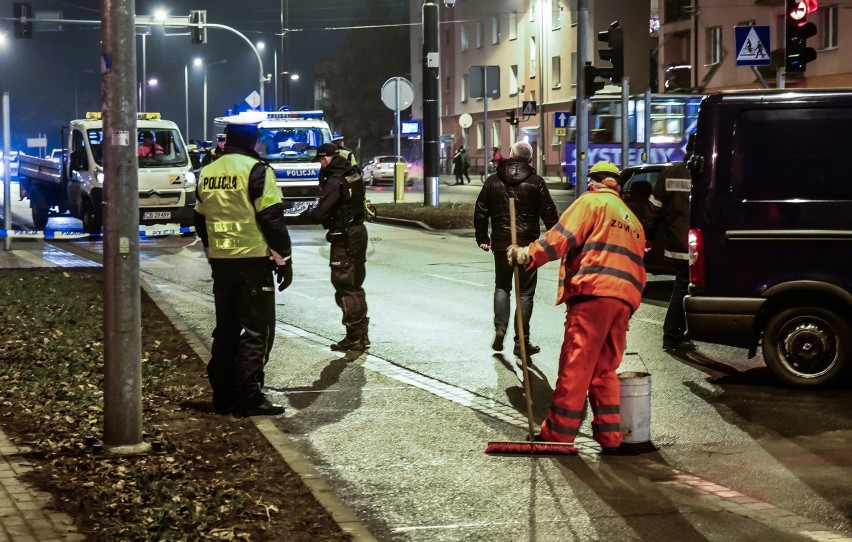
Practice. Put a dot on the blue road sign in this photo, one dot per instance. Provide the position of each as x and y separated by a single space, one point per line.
561 118
752 45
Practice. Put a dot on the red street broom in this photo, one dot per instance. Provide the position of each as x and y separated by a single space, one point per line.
528 447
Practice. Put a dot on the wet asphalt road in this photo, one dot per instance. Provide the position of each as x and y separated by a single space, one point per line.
402 443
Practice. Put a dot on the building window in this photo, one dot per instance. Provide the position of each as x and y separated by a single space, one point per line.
556 16
574 71
513 134
513 25
463 42
533 63
513 80
533 8
447 87
463 88
495 30
480 136
556 71
829 27
714 45
495 134
480 39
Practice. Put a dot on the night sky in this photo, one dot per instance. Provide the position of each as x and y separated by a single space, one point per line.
55 76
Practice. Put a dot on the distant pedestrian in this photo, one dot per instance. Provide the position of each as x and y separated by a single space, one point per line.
601 244
337 139
240 220
515 178
340 208
465 164
215 152
668 207
458 165
496 158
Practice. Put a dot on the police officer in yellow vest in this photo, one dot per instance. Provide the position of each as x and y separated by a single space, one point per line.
337 139
239 218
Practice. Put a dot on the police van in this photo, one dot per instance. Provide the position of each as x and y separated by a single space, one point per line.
289 141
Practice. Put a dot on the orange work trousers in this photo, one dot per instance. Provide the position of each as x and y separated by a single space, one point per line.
595 338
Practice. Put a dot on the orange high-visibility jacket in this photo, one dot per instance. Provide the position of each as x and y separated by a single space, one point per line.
601 243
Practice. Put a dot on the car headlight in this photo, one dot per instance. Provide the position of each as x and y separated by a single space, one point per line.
189 177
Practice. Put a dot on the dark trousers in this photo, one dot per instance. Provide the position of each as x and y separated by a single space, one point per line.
674 325
348 269
244 296
466 174
504 280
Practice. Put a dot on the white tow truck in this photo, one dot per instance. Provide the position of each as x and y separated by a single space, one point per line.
289 142
74 183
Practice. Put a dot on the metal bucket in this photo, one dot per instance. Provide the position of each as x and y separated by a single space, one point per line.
635 406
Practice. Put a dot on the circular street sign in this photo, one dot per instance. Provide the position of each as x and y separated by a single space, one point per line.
465 120
399 85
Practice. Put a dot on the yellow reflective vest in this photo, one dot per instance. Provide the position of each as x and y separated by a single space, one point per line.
223 199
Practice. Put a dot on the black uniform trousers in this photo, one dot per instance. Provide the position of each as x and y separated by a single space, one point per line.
244 296
347 260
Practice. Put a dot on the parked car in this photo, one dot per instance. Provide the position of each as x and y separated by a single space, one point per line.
638 185
381 170
771 231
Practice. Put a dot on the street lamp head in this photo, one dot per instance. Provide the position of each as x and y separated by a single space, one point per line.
261 46
294 76
153 82
160 15
198 61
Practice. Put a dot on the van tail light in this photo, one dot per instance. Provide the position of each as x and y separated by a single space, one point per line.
696 256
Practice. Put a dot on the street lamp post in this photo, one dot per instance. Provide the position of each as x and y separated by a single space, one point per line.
199 62
287 78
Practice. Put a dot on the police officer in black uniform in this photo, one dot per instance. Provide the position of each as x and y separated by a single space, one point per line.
215 152
340 209
239 218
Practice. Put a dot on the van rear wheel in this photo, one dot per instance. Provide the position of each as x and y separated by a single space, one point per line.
807 346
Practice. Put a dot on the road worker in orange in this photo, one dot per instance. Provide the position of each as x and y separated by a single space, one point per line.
601 244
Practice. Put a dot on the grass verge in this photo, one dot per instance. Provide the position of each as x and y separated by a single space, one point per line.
216 478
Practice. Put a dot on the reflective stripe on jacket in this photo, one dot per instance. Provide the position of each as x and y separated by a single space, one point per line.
223 199
601 244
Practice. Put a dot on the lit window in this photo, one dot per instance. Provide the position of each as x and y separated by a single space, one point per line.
513 80
495 30
714 45
480 39
533 63
556 15
463 43
513 25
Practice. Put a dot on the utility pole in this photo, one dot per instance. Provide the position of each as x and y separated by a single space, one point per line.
431 113
582 134
122 305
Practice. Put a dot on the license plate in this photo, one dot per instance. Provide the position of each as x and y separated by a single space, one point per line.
156 215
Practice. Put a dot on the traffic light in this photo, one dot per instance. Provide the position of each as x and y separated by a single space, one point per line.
23 12
511 117
798 32
614 37
199 33
589 74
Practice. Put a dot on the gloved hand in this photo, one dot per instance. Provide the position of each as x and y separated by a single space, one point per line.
518 255
284 275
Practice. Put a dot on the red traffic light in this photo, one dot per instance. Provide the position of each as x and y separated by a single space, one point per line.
800 9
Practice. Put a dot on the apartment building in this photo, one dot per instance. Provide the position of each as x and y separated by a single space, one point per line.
683 46
697 44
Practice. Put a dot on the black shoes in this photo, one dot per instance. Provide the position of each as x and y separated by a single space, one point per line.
497 345
530 349
352 345
682 345
264 408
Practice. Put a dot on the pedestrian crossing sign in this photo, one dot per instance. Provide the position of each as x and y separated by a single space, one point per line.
752 42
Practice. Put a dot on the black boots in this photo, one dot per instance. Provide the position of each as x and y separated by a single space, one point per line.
356 340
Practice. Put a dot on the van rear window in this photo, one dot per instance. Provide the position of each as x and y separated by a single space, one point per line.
783 154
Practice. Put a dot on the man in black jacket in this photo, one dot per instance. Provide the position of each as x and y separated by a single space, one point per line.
339 207
668 207
515 178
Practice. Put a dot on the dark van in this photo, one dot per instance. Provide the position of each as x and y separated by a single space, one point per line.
771 237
